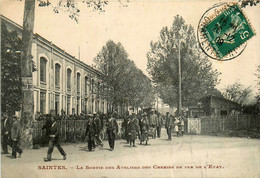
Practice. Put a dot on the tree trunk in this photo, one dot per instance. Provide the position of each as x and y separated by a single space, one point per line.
26 64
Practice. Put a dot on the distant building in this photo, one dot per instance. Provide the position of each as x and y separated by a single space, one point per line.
62 82
214 106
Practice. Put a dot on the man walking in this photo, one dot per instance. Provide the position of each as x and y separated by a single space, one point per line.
98 128
168 125
6 132
152 123
15 136
133 129
90 133
112 130
54 140
124 125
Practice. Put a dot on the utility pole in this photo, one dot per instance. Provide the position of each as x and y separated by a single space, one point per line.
179 71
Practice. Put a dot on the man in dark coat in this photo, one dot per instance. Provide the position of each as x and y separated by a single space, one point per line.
15 137
98 128
124 124
133 129
144 126
169 123
90 133
6 132
112 130
47 127
54 140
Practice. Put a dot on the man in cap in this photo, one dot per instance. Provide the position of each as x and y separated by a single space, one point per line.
112 130
133 129
153 122
54 140
90 133
47 127
124 125
169 123
6 132
98 128
15 136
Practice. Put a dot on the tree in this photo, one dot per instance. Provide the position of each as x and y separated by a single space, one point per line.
125 84
238 93
198 77
112 60
11 85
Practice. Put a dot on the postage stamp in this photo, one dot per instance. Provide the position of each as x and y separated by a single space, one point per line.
226 34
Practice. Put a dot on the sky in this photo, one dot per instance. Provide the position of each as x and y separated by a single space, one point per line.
135 26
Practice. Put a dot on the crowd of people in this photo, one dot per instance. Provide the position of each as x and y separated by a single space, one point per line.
134 126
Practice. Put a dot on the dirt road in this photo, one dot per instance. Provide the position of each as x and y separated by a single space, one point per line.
187 156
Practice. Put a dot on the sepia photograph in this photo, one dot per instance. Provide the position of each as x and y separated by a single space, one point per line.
130 88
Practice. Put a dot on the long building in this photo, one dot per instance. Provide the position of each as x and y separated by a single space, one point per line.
62 83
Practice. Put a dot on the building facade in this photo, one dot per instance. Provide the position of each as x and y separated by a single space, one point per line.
62 83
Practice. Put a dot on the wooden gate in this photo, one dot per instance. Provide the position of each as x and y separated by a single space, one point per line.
194 126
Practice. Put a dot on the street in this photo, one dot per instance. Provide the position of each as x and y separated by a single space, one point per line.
187 156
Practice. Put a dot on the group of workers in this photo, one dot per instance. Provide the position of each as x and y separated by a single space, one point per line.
136 125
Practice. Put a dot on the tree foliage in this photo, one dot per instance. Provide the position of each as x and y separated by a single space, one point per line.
11 84
245 3
71 6
198 77
125 83
237 92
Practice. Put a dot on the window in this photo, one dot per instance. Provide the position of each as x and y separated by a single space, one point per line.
42 102
86 109
43 63
92 86
57 104
98 92
68 79
223 113
78 101
57 75
68 105
86 86
78 83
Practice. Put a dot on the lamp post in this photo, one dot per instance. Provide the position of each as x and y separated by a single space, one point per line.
179 74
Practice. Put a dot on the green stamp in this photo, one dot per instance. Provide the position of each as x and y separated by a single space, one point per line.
228 31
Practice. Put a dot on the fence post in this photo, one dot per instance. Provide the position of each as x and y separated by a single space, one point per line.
223 121
237 121
65 129
249 123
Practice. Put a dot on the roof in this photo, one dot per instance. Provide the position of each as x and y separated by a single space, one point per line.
221 98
